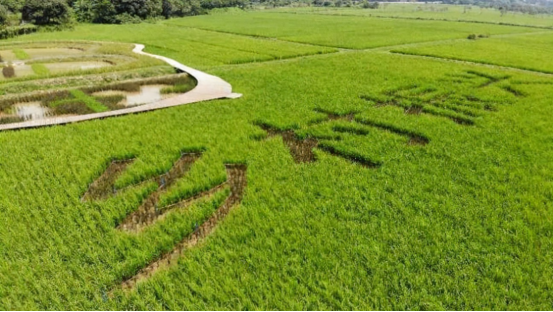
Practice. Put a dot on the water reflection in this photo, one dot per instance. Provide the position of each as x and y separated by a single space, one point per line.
31 111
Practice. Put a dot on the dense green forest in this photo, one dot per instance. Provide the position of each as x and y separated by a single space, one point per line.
59 12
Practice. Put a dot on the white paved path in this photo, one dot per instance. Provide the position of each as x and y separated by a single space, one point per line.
208 88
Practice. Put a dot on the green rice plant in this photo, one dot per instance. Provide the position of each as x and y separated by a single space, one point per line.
89 101
72 107
112 101
20 54
449 216
178 88
40 69
341 31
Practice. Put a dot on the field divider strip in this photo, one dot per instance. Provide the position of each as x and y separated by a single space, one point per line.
472 62
208 88
261 37
419 19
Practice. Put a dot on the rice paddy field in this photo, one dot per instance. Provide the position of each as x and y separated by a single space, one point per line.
433 11
348 175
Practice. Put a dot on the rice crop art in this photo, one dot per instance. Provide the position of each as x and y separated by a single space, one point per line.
151 212
348 176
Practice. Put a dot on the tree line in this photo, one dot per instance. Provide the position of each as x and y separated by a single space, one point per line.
63 12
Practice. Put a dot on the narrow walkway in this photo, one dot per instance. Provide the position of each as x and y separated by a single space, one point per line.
208 88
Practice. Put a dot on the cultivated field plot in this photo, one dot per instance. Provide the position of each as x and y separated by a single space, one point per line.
349 180
531 52
46 80
192 47
432 11
342 31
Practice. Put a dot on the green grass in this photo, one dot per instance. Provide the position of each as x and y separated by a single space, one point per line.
78 96
461 223
21 54
529 52
341 31
40 69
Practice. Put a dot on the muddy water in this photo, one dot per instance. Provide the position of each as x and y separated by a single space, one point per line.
21 70
147 94
31 111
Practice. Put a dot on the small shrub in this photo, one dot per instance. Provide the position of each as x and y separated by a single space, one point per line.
126 18
89 101
8 72
10 32
472 37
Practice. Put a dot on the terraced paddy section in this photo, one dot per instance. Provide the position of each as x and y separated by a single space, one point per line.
341 31
69 106
529 52
22 61
195 47
40 53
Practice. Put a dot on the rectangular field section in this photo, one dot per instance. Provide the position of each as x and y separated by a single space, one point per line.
341 31
531 52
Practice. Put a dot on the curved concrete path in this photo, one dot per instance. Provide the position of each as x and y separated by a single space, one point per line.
208 88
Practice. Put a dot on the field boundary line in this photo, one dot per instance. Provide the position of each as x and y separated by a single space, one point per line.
452 40
208 87
261 37
420 19
479 63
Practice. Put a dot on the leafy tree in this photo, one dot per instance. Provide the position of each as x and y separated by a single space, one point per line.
12 5
46 12
84 10
104 12
3 15
181 8
140 8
